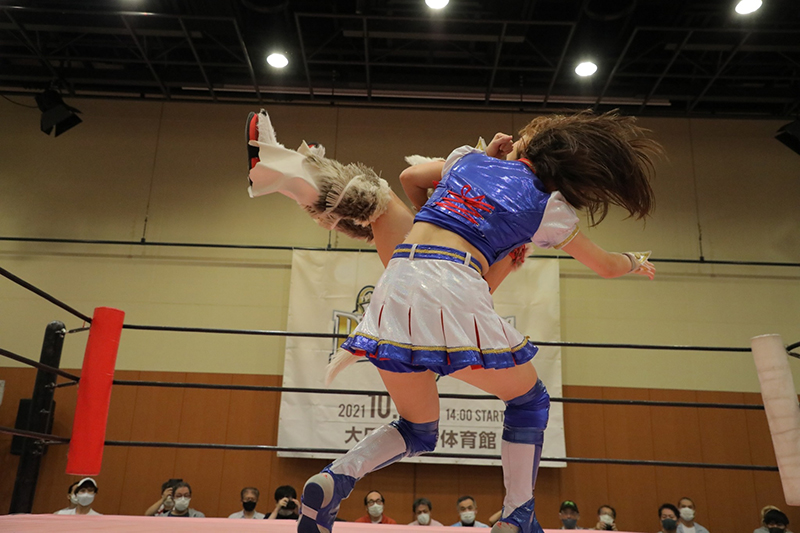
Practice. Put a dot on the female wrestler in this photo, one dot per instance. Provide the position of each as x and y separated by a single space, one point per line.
431 312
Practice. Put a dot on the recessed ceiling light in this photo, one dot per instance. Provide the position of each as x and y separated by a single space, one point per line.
587 68
277 60
436 4
745 7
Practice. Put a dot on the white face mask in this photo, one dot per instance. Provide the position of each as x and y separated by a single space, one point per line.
73 499
375 510
687 513
424 519
607 519
85 499
467 517
181 504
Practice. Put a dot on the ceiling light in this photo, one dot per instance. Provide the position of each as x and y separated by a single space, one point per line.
277 60
55 113
436 4
587 68
745 7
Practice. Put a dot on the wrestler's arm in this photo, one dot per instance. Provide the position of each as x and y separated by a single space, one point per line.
606 264
417 179
498 272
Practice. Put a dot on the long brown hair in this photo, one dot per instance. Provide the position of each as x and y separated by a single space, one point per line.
594 161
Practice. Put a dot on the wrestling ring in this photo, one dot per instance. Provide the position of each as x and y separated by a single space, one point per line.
88 438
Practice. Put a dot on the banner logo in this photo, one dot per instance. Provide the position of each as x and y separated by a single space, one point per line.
344 323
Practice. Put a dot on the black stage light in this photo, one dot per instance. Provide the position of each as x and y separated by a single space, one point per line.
55 113
790 135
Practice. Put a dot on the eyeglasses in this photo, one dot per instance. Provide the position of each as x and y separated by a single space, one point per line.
370 503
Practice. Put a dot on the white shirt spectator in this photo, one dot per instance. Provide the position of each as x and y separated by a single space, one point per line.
256 515
91 512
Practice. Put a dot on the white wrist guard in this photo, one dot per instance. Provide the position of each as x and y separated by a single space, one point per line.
637 259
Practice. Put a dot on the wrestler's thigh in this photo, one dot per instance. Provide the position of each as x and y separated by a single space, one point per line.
391 228
506 383
414 395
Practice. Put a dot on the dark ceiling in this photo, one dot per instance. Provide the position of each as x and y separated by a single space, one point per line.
655 57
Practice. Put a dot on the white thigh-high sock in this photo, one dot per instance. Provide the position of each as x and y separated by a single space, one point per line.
380 448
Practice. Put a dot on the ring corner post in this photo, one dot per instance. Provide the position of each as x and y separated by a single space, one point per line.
94 393
39 420
783 412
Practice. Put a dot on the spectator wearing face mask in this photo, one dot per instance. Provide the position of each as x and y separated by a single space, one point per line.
686 523
166 503
467 513
668 514
182 494
422 510
606 518
569 515
249 497
773 521
73 499
374 502
764 511
84 492
286 505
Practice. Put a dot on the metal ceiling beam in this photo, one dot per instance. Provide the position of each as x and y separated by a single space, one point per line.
664 72
33 48
197 58
247 57
418 36
429 66
719 71
366 57
303 55
560 64
498 51
144 56
97 30
615 68
395 19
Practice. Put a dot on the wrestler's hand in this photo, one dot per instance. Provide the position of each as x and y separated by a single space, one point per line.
646 269
501 146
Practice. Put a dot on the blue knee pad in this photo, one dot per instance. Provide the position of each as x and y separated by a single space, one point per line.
526 416
419 438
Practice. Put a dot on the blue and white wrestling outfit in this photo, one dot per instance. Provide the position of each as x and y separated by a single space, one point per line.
431 309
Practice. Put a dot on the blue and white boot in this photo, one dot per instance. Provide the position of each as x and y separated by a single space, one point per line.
320 501
521 520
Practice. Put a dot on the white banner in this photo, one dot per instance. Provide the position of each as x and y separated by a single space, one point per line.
329 292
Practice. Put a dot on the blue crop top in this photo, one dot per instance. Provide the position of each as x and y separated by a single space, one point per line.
497 205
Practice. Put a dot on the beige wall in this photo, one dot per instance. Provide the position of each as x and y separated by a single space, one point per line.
179 170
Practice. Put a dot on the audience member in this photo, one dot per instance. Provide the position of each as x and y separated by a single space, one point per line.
182 494
286 505
686 523
84 492
569 515
73 499
163 505
422 510
773 521
668 514
467 513
249 497
606 518
374 502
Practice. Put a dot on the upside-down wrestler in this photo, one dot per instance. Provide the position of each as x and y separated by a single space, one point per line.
431 312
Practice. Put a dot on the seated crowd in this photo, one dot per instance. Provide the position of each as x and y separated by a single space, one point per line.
176 497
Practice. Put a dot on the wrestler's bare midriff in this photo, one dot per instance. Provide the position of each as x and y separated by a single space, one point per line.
425 233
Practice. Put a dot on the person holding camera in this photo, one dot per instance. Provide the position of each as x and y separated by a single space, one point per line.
606 518
286 504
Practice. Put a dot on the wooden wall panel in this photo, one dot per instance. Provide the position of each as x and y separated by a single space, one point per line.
730 494
132 477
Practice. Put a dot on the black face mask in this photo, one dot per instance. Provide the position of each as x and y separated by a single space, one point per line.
249 506
777 530
669 524
569 523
